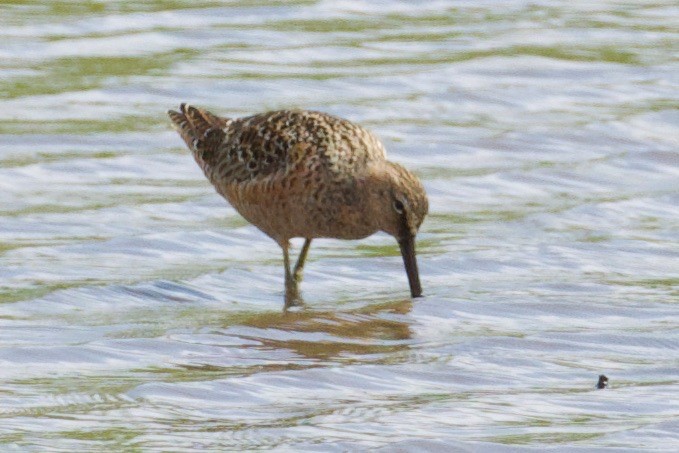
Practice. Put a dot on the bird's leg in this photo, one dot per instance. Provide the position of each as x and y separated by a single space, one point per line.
299 267
292 297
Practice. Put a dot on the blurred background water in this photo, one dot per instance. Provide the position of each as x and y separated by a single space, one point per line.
139 312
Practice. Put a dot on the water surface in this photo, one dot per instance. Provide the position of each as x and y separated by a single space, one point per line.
139 311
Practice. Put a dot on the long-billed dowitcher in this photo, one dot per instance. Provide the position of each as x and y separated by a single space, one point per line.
297 173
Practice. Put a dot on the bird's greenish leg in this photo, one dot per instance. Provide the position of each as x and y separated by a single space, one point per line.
298 273
292 296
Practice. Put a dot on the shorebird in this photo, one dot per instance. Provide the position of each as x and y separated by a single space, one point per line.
299 173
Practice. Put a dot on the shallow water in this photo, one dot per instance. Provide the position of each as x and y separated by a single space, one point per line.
139 311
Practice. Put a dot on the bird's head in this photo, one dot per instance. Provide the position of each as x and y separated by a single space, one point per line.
399 204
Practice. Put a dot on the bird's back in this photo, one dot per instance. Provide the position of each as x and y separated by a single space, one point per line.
289 172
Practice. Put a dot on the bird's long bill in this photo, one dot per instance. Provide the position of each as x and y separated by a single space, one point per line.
407 245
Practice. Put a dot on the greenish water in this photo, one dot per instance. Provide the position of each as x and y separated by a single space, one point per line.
138 311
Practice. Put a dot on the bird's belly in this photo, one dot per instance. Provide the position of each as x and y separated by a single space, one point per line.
286 214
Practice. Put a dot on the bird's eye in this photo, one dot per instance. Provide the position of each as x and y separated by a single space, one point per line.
398 206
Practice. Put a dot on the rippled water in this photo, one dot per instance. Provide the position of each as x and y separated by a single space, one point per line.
139 311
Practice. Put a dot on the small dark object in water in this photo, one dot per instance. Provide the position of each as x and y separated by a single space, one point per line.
603 382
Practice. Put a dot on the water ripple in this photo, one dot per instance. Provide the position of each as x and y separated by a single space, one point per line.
139 312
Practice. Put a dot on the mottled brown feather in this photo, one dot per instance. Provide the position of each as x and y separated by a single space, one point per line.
292 173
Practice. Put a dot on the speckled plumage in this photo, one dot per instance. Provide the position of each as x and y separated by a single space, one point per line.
297 173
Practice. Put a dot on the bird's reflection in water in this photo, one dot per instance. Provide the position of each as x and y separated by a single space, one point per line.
329 335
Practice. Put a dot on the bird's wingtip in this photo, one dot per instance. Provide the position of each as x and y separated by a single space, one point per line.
182 109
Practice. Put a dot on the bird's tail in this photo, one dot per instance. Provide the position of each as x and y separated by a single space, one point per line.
202 131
